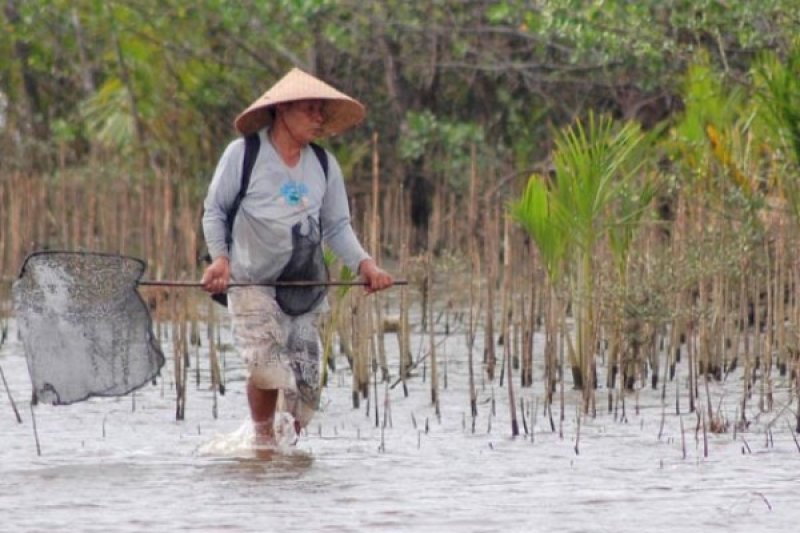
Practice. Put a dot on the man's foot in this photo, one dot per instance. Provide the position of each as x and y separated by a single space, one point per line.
264 437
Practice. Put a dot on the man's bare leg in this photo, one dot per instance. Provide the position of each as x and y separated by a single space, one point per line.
263 403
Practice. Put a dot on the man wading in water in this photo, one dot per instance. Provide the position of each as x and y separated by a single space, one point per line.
295 198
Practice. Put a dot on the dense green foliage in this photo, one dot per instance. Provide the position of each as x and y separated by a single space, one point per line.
156 84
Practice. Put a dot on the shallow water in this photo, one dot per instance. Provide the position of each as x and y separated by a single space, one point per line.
126 465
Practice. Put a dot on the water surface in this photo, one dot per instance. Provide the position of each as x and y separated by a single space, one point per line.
126 465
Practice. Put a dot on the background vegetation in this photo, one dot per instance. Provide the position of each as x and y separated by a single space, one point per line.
649 150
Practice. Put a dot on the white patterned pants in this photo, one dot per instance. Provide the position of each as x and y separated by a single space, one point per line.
281 352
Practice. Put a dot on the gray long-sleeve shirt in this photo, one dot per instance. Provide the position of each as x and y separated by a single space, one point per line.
278 197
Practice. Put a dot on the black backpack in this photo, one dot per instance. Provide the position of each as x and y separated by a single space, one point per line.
252 144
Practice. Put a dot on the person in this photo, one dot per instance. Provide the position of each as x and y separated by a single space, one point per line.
291 199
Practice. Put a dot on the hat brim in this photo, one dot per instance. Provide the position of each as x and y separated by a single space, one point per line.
340 115
341 111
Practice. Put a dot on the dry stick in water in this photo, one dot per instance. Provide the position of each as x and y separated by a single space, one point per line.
373 359
421 359
447 317
683 437
404 333
794 435
362 333
213 364
511 402
522 415
213 359
531 327
490 253
10 398
768 331
3 225
194 341
35 431
432 338
797 392
705 436
692 350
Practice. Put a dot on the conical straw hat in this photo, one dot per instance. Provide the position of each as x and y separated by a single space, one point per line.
341 112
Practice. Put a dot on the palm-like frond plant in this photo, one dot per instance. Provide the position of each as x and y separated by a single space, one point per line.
778 96
536 212
596 163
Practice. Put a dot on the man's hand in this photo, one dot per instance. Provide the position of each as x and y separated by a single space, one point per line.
376 278
217 275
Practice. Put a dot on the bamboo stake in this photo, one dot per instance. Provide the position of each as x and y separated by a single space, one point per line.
404 333
3 228
510 386
375 227
474 278
213 359
357 354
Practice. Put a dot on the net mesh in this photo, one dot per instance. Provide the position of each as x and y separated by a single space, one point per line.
85 329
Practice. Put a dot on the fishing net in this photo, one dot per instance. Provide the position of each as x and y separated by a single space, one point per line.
85 329
306 264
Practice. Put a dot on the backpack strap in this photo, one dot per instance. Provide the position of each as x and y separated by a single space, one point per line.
322 156
252 144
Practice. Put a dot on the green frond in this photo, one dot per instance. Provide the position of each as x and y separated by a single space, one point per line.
537 214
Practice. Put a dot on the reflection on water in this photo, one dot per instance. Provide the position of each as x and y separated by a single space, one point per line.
258 468
124 466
